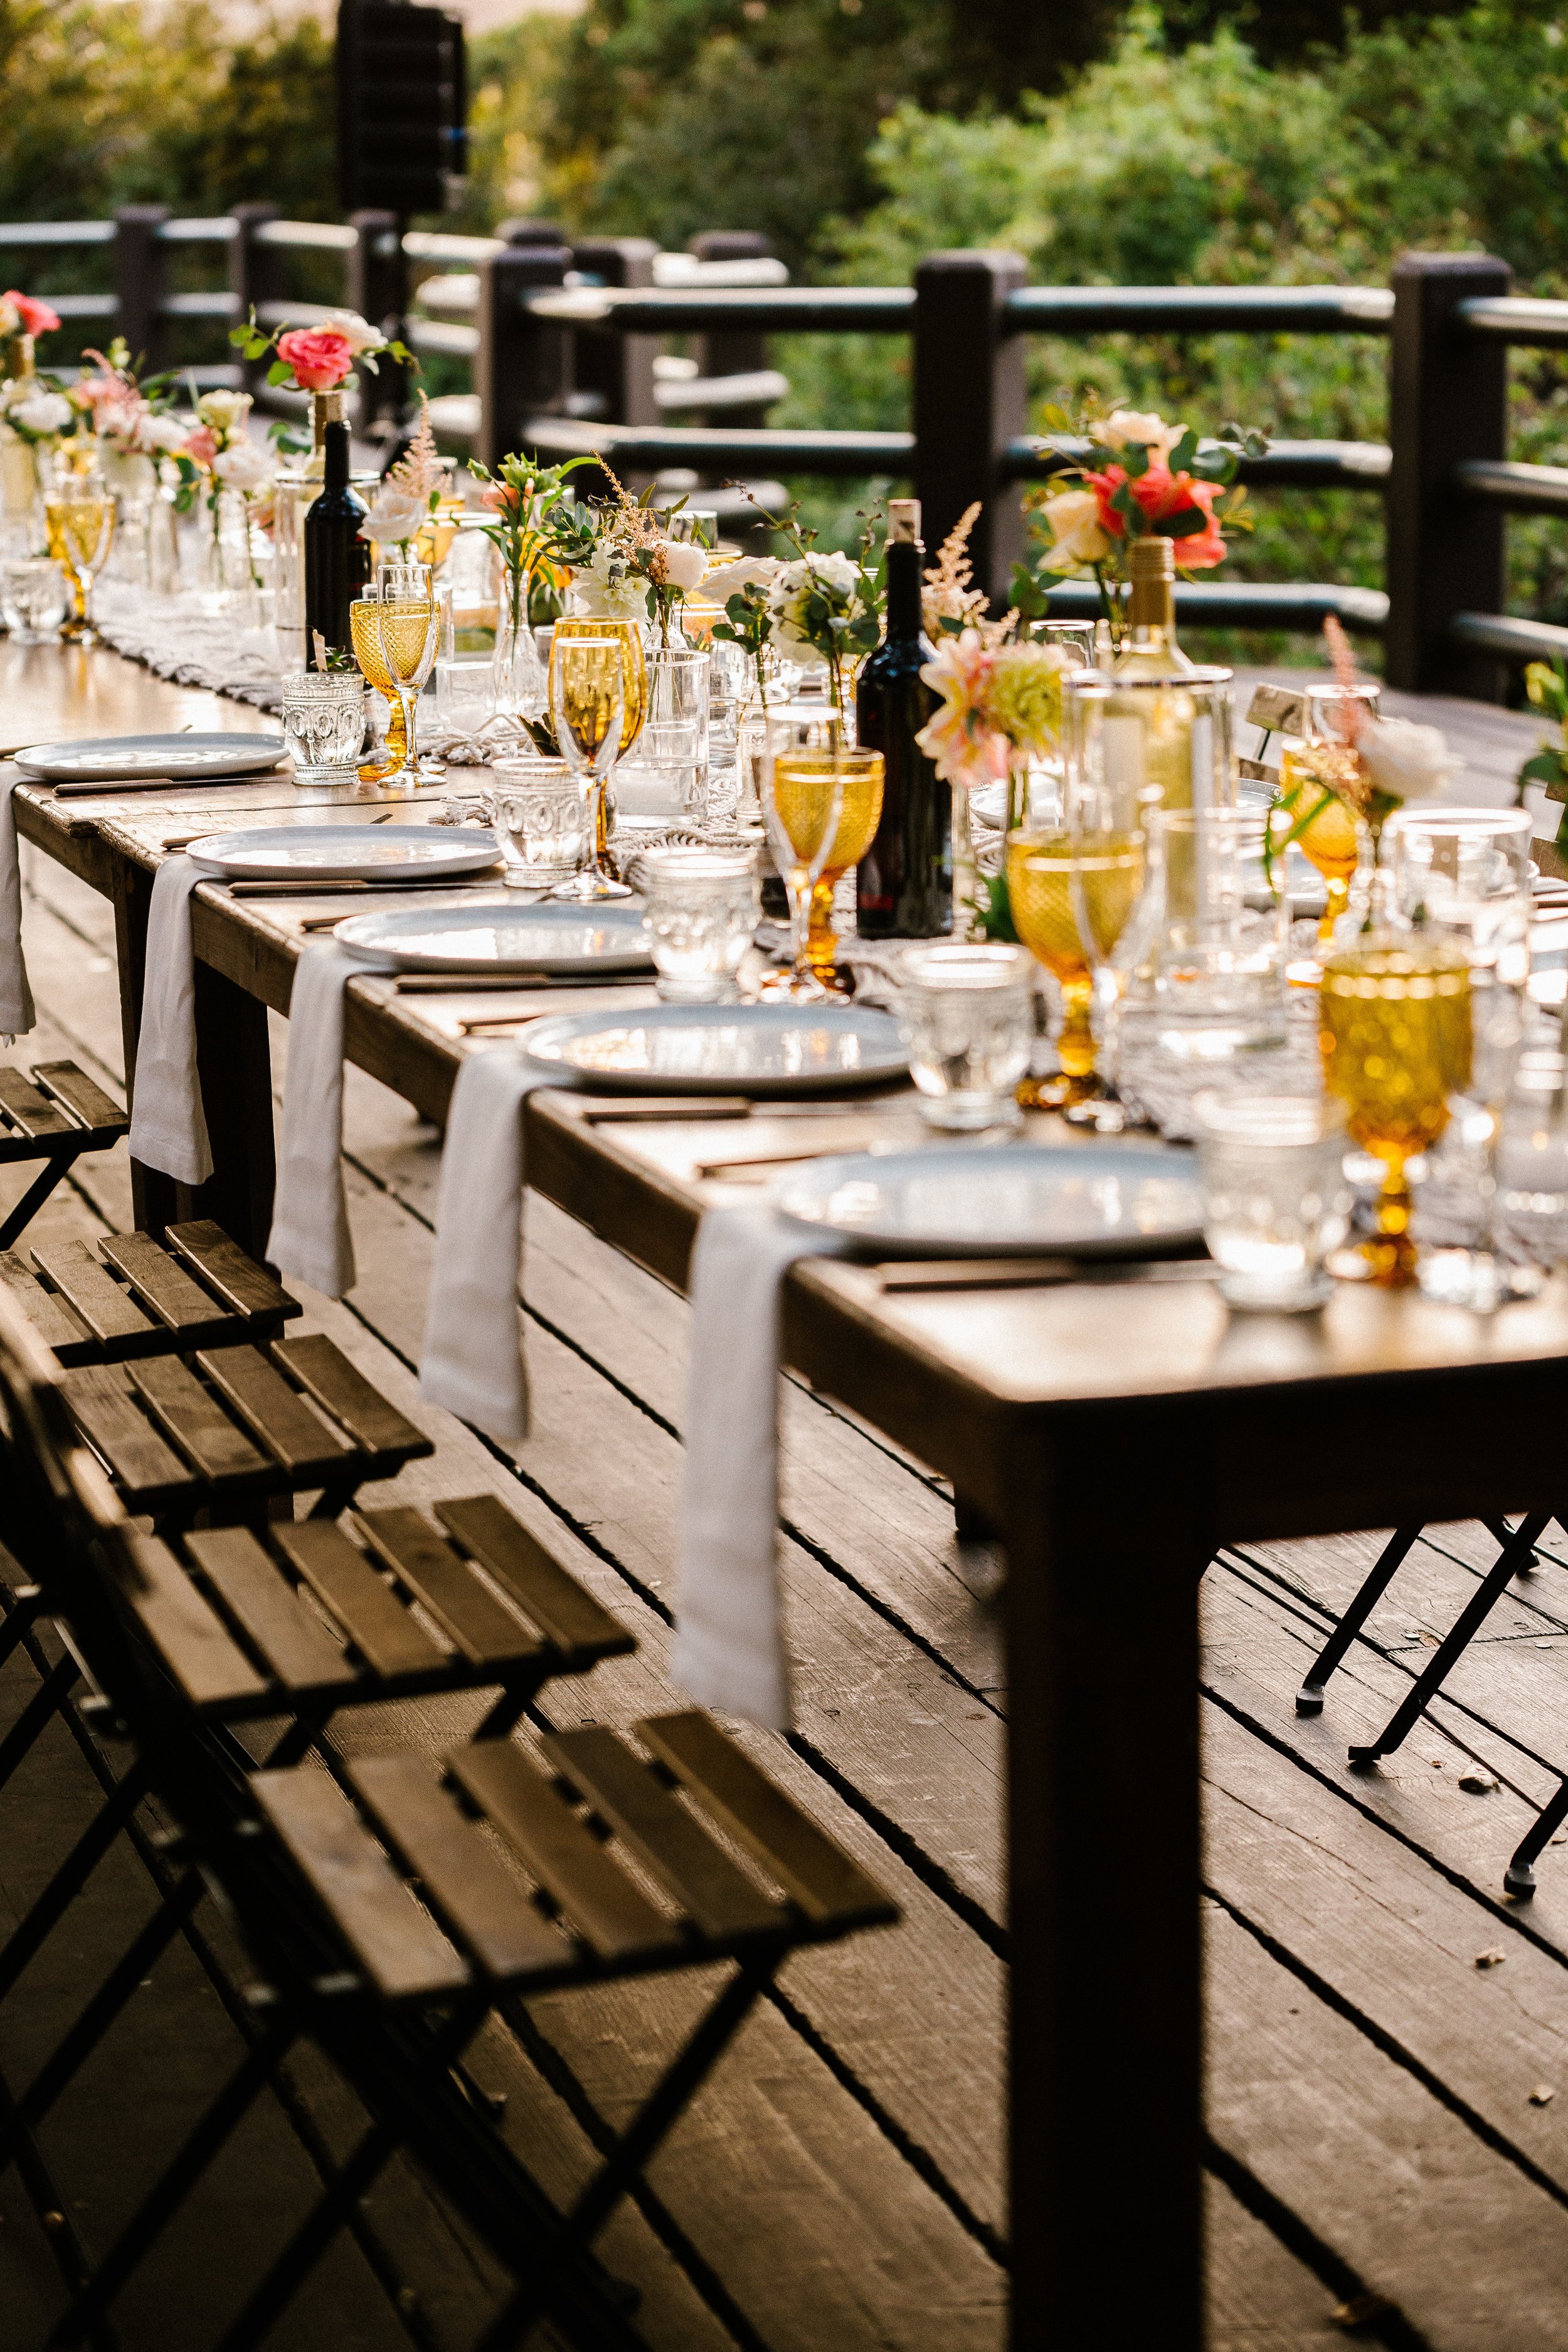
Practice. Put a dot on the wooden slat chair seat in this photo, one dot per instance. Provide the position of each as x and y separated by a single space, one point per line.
129 1297
54 1114
390 1907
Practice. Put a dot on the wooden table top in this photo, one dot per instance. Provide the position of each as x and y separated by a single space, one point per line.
644 1187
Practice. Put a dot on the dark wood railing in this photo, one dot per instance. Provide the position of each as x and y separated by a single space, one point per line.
564 348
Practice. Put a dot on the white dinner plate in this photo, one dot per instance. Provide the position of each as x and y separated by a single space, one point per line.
1089 1200
543 939
186 758
345 853
722 1049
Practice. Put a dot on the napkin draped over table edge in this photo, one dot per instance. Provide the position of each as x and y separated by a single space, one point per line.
730 1650
311 1239
168 1123
18 1013
472 1361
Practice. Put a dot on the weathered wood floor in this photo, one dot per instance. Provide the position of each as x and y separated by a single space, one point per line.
1376 2143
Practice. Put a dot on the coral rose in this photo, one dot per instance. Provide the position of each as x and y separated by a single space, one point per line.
1163 496
320 361
37 316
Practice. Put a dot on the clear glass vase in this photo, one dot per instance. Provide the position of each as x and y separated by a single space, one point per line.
519 683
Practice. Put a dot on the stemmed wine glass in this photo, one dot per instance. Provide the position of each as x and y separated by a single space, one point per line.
588 709
78 515
802 802
396 632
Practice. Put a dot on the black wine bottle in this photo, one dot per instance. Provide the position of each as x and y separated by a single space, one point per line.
337 560
905 880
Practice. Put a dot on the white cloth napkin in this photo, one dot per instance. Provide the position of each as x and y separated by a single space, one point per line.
16 1014
473 1362
311 1238
168 1125
728 1645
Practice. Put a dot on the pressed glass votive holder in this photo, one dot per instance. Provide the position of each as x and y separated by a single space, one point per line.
543 822
700 910
323 725
34 598
968 1016
1274 1197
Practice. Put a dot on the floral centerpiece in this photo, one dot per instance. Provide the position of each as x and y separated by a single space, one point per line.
1546 684
624 566
320 358
817 605
1137 475
410 492
218 458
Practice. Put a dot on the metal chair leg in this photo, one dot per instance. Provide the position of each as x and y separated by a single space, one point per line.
1518 1878
72 1875
36 1715
1310 1697
627 2154
32 1199
167 2194
1519 1545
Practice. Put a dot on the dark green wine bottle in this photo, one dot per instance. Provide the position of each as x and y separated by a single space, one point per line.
905 880
337 560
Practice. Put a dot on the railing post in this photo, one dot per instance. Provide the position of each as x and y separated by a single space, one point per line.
522 367
138 276
1447 400
615 370
377 288
739 353
255 277
968 406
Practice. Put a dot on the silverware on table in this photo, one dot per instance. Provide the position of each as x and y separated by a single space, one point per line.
932 1275
442 983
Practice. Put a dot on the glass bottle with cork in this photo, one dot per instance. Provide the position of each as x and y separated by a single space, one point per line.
904 882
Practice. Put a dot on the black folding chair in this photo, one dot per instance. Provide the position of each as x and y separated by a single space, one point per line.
387 1915
54 1115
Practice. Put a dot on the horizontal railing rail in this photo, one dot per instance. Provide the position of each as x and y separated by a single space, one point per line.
565 347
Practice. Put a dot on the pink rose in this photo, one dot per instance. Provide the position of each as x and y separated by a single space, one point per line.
1162 495
37 316
500 498
320 361
199 447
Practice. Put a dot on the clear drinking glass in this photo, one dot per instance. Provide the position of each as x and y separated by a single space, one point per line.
1135 743
700 910
667 775
34 598
79 517
1274 1197
588 708
466 692
542 818
968 1014
323 725
1218 934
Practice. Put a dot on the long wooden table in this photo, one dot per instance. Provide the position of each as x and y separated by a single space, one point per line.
1113 1438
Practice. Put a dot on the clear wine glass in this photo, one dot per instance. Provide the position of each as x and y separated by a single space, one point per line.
802 801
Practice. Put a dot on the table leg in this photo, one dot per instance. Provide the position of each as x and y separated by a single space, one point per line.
1106 2024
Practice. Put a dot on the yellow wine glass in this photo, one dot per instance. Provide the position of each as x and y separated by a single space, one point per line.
1395 1034
78 520
588 707
813 731
395 632
1072 896
1320 780
803 795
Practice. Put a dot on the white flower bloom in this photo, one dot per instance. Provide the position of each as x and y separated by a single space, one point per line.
42 413
684 563
395 517
1077 540
357 332
1141 425
165 432
243 468
607 589
222 411
833 576
1406 761
727 580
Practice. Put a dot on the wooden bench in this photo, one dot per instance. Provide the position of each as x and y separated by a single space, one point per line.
53 1114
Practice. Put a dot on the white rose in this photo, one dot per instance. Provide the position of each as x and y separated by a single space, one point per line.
43 411
727 580
1077 540
222 411
357 332
243 468
1141 425
684 563
395 517
1406 761
165 432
